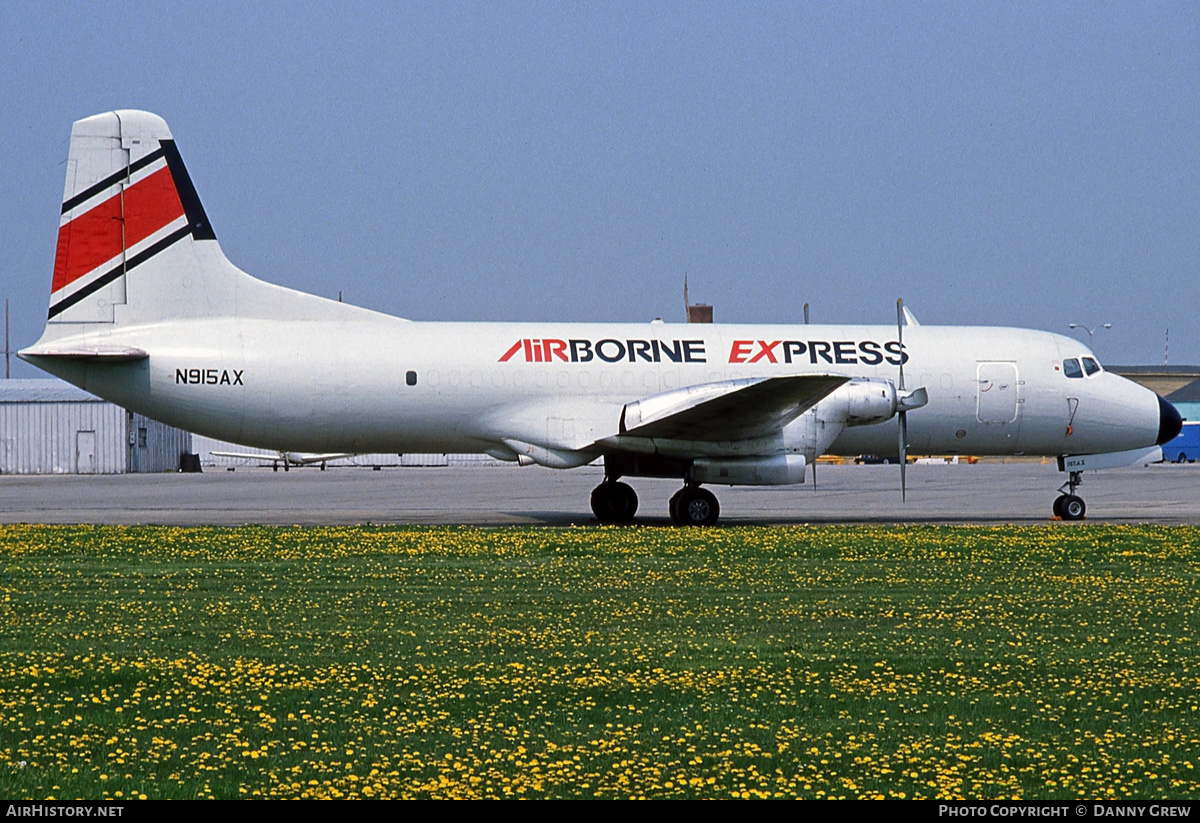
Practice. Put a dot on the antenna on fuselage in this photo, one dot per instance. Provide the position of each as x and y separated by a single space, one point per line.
806 323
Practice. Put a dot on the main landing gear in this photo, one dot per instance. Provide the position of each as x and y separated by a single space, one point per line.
694 506
1068 505
616 502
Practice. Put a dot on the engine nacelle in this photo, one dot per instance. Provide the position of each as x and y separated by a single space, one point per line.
776 470
862 402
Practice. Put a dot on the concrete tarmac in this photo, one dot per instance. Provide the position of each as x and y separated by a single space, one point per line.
985 493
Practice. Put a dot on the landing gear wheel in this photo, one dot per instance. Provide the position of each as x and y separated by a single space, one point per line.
672 508
614 502
694 506
1069 507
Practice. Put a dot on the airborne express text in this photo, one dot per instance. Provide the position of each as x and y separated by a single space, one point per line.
609 350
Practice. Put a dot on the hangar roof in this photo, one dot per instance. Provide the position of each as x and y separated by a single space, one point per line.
43 391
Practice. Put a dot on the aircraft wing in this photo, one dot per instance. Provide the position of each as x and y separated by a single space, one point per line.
295 458
727 409
269 458
308 458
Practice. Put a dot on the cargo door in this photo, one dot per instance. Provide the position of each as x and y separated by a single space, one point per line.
998 395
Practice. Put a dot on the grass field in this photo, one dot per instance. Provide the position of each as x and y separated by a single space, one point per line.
1040 662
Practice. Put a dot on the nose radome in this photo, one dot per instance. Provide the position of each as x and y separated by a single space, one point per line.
1169 421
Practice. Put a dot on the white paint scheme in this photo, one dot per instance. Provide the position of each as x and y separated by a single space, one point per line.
1112 460
325 377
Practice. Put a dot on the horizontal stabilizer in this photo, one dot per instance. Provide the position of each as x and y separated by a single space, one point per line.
728 409
105 354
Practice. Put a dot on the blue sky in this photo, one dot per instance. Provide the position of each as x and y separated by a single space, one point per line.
1024 164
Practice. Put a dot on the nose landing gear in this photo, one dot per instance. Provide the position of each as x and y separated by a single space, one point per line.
1068 505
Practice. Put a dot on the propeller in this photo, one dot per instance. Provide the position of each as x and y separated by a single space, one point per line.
905 401
902 413
814 465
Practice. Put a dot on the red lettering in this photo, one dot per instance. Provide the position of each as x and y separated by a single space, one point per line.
511 351
765 349
739 351
556 348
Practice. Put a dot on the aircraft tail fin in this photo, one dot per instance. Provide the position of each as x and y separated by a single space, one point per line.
128 205
135 246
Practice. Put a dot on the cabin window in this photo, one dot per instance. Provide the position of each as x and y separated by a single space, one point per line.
410 378
1090 366
1071 368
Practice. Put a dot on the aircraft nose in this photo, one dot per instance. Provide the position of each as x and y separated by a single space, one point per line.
1169 421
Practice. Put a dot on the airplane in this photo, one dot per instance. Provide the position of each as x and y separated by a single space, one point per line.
288 459
147 312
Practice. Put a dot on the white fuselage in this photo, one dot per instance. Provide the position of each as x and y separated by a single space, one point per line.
366 382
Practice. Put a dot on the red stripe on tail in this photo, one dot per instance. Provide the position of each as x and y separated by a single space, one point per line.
94 237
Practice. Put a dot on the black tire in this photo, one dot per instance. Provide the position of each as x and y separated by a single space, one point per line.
1182 458
694 506
614 502
1058 501
1073 507
673 508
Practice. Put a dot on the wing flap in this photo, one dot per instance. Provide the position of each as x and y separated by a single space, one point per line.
728 409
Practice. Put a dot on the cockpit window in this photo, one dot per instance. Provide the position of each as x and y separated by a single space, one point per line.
1071 368
1090 366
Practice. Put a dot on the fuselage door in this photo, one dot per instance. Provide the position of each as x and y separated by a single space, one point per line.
998 401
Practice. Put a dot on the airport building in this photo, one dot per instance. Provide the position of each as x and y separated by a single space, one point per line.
52 427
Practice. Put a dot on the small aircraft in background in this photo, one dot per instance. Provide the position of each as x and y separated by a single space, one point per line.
288 459
147 312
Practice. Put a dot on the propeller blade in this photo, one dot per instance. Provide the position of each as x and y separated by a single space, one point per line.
914 399
902 414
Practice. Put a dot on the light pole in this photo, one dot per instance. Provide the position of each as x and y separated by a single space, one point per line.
1090 331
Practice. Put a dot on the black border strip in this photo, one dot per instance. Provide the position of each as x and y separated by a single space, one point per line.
108 277
201 228
111 180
